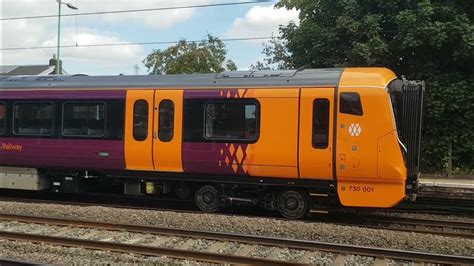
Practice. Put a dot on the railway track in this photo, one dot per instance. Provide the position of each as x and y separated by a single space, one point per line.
64 228
15 262
438 227
425 226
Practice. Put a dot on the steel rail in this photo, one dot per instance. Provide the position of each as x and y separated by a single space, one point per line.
424 226
448 228
366 220
252 239
140 249
14 262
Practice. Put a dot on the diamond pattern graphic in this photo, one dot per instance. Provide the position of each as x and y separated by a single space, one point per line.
355 130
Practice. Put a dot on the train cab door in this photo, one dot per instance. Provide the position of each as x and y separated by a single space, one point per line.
316 133
167 130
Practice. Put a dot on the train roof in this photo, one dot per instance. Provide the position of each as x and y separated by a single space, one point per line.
229 79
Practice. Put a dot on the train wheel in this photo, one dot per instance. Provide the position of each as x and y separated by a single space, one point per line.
208 198
293 204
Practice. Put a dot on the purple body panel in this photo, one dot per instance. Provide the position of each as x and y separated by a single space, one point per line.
58 94
87 154
62 153
214 158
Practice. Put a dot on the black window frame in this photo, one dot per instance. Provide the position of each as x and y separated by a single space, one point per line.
239 101
328 124
147 118
84 103
171 136
5 115
359 101
53 128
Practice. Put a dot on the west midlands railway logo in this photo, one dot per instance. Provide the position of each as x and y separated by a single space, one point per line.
355 130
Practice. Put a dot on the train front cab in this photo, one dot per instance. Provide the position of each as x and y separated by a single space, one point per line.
369 163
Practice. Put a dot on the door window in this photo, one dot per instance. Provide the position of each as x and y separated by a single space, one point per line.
320 123
140 120
166 120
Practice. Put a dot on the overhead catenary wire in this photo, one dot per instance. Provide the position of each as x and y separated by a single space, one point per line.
139 10
174 42
133 43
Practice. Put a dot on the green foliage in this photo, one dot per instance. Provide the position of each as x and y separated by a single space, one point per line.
432 40
190 57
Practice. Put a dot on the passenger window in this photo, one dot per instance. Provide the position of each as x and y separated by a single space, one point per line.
231 120
140 120
320 123
33 119
350 103
166 121
84 119
3 115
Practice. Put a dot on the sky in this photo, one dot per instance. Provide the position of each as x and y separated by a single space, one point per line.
238 21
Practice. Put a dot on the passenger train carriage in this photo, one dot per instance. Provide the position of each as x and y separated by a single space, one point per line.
296 141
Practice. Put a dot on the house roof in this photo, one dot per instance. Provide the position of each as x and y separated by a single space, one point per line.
17 70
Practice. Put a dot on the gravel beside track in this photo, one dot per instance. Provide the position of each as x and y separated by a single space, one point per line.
54 255
451 217
251 225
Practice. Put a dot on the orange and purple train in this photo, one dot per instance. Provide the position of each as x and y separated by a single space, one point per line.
296 141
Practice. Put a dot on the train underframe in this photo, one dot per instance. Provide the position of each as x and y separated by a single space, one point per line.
294 199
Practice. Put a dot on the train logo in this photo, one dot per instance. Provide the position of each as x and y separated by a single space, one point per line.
355 130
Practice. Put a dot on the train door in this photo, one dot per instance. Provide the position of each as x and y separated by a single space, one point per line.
167 130
138 130
316 133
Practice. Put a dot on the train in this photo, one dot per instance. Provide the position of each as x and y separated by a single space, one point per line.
293 141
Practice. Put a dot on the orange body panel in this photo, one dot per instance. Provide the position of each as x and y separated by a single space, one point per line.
274 154
366 177
366 77
315 163
167 155
359 192
138 154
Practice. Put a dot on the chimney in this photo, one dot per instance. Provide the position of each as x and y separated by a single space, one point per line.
52 62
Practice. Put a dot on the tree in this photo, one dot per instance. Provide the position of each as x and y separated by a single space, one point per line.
277 56
431 40
206 56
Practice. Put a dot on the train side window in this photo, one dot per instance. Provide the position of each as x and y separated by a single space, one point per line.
3 115
140 120
33 119
350 103
320 123
231 121
84 119
166 121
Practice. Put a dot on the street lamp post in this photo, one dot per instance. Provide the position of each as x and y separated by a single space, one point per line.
59 32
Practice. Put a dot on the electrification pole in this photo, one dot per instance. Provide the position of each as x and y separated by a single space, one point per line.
58 64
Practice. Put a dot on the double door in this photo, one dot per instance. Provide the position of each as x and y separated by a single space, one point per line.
153 131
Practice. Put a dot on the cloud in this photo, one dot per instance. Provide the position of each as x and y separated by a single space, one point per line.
43 32
156 19
86 37
93 59
261 21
